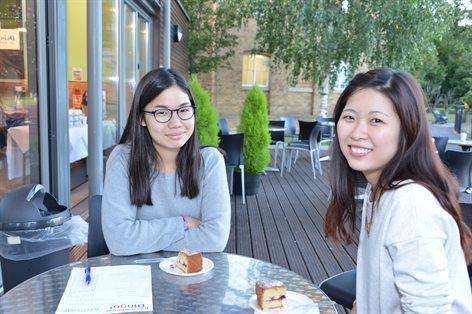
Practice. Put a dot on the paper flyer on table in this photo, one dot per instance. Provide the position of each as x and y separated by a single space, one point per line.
112 289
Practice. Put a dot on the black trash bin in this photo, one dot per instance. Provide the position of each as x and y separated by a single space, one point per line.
29 241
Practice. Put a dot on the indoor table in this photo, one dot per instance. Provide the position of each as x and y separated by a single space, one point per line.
227 288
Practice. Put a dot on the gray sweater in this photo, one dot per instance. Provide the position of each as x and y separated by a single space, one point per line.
412 261
131 230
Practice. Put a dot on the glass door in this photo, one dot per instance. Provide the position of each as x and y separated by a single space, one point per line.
136 51
19 125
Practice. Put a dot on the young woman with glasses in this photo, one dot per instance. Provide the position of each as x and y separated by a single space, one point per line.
413 243
162 190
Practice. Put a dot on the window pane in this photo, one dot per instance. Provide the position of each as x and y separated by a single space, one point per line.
256 70
110 71
143 47
130 56
19 127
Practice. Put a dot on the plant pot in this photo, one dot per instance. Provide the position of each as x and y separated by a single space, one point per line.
251 183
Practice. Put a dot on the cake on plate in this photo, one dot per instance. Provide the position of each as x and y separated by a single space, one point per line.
189 261
271 294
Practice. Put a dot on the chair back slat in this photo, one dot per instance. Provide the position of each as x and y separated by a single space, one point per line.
305 129
233 145
224 128
290 125
460 164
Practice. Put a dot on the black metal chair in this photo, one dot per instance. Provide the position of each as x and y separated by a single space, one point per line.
233 146
96 244
441 144
277 139
341 288
460 164
467 216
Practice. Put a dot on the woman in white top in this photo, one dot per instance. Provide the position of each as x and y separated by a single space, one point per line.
413 243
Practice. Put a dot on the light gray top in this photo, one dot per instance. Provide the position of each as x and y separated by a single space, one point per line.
413 261
130 230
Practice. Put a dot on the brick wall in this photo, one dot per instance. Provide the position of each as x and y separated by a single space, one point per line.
225 87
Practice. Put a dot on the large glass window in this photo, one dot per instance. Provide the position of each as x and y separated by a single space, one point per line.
110 75
136 44
19 127
256 69
130 56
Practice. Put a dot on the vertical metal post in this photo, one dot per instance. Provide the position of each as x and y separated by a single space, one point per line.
94 93
167 37
58 101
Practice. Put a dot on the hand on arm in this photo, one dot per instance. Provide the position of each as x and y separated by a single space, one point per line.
192 222
354 310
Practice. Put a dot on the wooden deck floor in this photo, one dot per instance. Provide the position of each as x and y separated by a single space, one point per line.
282 224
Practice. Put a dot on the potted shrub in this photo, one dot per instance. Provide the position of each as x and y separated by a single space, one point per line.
206 114
254 123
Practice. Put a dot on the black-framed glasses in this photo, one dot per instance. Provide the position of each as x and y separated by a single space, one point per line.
163 115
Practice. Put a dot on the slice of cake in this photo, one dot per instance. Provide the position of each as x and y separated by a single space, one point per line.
189 261
271 294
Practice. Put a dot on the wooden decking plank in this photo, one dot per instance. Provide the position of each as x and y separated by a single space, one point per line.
310 234
289 238
271 230
243 233
258 237
311 259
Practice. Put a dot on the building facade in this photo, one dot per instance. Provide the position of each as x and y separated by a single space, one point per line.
228 87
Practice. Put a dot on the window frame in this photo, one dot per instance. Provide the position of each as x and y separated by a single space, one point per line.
264 87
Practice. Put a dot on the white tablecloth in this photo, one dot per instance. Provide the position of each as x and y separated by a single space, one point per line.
18 145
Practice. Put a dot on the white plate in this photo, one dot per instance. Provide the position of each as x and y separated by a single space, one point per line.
296 303
168 265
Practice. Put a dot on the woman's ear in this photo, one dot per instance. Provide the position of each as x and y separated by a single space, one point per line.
143 122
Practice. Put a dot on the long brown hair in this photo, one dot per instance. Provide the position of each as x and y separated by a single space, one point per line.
416 158
144 155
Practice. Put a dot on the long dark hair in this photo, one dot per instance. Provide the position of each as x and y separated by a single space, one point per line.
144 156
416 158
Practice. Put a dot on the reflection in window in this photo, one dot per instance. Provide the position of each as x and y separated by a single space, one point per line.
256 70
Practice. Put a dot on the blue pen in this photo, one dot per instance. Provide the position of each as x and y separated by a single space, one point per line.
88 278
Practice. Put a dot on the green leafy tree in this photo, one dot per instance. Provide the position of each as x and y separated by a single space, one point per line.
444 75
206 115
211 42
314 38
254 123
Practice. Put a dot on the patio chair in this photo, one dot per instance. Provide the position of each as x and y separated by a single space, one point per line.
233 146
460 164
341 288
224 128
439 116
290 126
277 139
305 128
312 146
326 130
466 208
96 245
441 143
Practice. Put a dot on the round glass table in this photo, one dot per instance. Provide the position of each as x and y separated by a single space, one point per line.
227 288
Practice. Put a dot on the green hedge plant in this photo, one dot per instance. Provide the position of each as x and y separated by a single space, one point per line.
206 114
254 123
